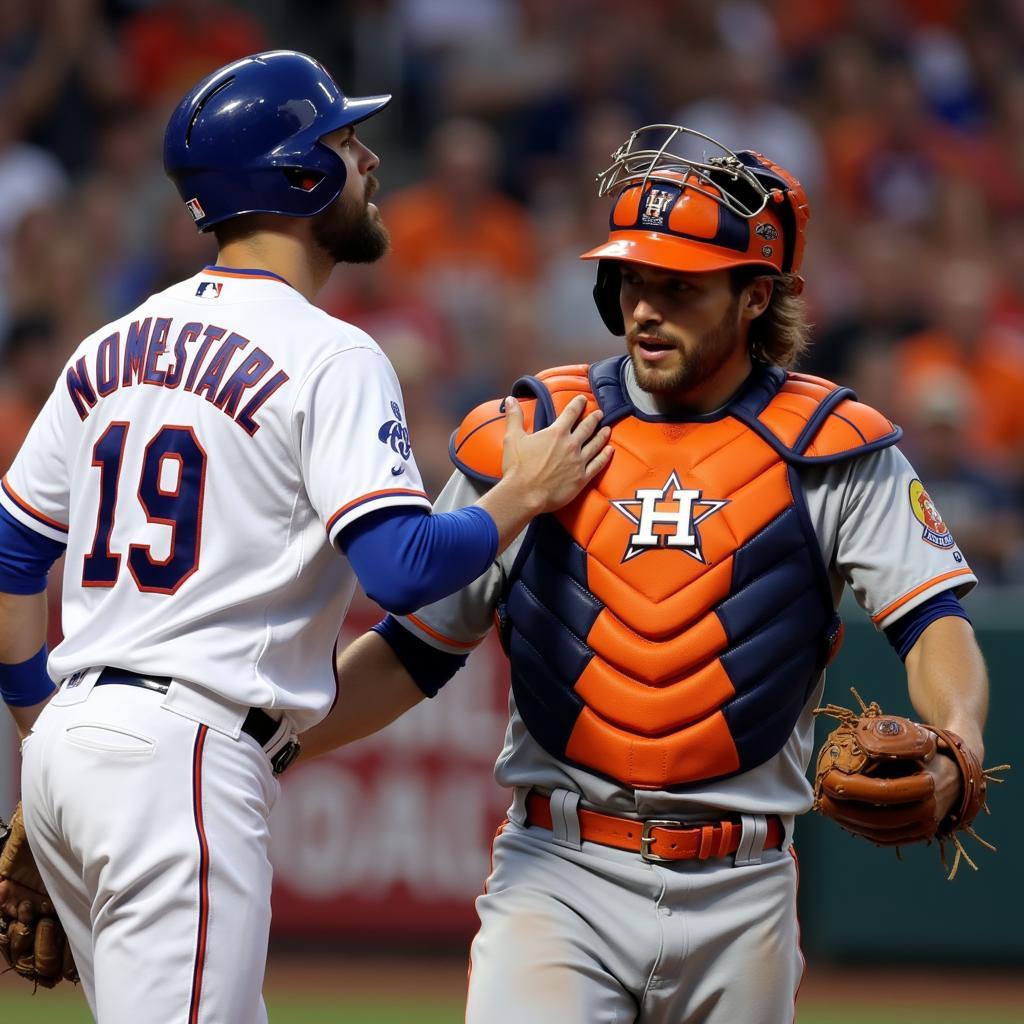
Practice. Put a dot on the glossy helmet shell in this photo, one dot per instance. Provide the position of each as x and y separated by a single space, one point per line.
246 139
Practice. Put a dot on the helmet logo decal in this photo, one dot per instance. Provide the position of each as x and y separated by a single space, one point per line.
657 206
671 506
766 231
935 530
196 209
766 250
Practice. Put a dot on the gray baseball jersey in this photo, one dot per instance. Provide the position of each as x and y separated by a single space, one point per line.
576 931
878 532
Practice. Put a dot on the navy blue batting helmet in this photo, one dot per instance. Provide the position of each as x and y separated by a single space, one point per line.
246 139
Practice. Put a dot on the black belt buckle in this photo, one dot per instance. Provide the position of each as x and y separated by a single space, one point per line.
285 756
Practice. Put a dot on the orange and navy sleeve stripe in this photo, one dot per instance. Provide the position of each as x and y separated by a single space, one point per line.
461 645
894 606
30 510
390 492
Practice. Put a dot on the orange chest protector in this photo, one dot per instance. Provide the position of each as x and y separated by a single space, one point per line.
669 625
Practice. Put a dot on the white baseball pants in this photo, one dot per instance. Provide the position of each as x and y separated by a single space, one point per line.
150 830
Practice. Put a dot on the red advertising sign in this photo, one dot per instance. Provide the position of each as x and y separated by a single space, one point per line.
392 834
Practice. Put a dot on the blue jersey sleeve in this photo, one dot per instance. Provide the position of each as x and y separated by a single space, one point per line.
408 557
429 668
25 556
907 630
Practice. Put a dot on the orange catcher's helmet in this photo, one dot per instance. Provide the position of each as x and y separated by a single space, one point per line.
679 213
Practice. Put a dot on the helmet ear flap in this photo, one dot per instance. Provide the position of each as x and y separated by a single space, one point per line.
606 295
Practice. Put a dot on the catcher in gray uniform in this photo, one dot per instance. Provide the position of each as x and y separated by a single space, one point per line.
668 631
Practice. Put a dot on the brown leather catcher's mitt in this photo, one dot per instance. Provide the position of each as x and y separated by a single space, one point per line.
31 938
870 778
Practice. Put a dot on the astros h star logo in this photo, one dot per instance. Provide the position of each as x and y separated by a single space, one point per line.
674 506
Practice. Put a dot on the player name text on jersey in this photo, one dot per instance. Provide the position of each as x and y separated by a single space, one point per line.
145 358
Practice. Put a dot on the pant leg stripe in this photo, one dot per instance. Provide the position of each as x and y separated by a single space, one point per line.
204 874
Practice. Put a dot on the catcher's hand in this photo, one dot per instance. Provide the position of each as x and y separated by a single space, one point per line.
31 938
878 776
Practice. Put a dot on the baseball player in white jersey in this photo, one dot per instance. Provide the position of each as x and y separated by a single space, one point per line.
220 465
667 631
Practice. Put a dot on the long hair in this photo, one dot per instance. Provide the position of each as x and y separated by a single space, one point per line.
781 334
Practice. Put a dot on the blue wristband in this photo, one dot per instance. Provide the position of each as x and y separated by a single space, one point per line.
26 683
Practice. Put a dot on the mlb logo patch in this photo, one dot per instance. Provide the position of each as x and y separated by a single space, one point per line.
196 209
209 289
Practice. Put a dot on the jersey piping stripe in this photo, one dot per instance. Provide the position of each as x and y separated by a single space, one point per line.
890 608
373 496
27 508
487 880
461 644
265 275
204 875
796 919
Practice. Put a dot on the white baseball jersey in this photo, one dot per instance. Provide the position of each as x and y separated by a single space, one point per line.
198 457
879 533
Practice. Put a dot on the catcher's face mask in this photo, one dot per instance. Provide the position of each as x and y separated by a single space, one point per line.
711 210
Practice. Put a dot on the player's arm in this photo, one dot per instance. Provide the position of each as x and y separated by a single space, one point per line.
909 578
402 660
374 688
946 673
407 557
25 560
948 687
23 680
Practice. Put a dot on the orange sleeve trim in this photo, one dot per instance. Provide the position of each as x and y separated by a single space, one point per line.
461 644
29 509
890 608
373 496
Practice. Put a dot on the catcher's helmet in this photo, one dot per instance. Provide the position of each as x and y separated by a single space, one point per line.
678 213
246 139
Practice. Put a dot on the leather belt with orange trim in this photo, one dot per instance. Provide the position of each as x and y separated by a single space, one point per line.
656 839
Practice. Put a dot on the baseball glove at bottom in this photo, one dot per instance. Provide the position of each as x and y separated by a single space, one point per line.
870 778
32 940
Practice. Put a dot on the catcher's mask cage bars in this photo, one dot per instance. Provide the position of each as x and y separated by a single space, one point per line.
639 160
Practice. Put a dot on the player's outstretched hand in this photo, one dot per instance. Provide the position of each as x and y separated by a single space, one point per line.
553 465
541 472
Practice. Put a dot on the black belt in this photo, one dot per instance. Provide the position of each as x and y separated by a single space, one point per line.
258 724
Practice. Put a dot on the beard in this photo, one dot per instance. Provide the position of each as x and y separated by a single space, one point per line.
348 232
711 352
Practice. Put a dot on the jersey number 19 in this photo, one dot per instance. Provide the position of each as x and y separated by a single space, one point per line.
180 507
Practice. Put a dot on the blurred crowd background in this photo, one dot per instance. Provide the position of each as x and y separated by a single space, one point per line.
903 118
